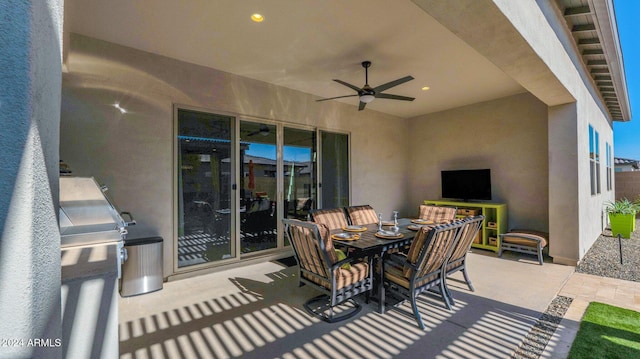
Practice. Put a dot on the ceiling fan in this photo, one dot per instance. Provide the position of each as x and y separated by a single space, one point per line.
264 131
367 93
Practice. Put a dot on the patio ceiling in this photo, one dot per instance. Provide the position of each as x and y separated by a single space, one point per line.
304 45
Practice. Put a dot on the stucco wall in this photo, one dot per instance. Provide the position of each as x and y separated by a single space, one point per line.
133 155
30 58
508 136
545 31
530 41
564 214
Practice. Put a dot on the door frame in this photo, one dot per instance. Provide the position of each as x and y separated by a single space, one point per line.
235 167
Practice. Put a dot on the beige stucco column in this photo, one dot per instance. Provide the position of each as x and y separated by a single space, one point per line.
30 79
564 218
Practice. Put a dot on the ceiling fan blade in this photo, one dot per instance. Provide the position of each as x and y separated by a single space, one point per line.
361 106
394 97
355 88
332 98
391 84
264 129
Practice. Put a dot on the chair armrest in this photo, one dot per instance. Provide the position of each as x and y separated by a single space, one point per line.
397 258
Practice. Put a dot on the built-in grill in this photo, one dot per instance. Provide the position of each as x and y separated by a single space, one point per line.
86 214
92 234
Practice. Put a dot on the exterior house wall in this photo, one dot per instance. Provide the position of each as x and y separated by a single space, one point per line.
133 153
508 136
543 60
564 215
545 31
30 301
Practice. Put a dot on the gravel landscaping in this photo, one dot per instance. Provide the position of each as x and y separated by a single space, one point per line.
534 343
603 259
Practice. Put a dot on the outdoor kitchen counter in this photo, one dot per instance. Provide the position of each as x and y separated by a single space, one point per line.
89 294
89 261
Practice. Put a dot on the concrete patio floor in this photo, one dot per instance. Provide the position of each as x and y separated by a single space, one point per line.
256 312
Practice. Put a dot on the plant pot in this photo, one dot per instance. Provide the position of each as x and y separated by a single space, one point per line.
623 224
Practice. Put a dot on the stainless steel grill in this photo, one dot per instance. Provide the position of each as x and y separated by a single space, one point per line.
86 214
92 234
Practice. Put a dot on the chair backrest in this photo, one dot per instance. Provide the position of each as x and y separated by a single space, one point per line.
334 218
312 246
437 214
304 204
431 249
470 228
360 215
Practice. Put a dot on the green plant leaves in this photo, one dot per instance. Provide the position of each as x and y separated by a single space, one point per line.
622 206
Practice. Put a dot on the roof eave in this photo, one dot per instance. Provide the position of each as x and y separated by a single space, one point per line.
607 28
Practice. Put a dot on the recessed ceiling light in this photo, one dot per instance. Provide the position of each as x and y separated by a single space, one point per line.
122 110
425 88
257 18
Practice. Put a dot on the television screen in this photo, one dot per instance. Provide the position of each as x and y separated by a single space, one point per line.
466 184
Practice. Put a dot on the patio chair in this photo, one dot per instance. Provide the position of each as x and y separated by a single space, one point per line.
319 267
458 261
299 208
334 218
524 241
438 214
361 215
260 219
421 269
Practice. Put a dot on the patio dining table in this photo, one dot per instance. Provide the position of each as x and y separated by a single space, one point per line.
370 245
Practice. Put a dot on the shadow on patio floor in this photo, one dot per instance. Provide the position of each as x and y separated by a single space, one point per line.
257 313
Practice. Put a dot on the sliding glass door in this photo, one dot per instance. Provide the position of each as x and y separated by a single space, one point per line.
299 172
335 169
258 187
236 179
204 187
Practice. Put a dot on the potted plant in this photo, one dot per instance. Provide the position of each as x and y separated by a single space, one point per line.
622 217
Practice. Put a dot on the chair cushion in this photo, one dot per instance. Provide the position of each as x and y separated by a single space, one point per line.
344 277
416 246
325 235
316 265
542 236
438 214
468 234
332 218
396 274
360 215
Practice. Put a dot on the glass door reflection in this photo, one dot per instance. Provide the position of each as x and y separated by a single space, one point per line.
204 188
300 173
258 187
335 169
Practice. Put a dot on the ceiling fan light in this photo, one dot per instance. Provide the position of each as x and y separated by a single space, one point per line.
366 98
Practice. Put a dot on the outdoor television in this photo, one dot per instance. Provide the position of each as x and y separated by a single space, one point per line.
467 185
